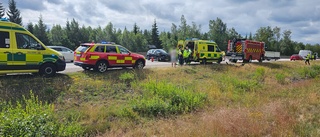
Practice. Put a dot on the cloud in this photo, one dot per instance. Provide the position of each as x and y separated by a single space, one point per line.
301 17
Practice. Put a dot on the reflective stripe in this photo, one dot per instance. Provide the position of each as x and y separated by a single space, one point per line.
120 61
127 58
94 57
112 57
34 57
3 57
82 59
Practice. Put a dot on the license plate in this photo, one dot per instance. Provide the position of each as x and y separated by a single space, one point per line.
78 55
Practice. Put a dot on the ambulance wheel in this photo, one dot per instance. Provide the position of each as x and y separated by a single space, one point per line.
204 61
219 61
101 66
48 70
139 65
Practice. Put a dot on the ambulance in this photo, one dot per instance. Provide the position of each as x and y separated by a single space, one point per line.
203 51
22 52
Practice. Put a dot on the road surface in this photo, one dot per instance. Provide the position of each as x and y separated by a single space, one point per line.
72 68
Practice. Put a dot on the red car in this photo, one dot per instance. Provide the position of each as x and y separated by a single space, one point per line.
101 56
296 57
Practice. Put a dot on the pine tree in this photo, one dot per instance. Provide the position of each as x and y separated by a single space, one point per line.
40 31
1 10
13 13
155 36
30 27
135 29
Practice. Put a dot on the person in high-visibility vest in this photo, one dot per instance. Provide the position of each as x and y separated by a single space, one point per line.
307 59
180 56
186 54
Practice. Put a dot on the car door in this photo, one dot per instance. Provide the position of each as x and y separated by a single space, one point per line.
124 58
5 52
67 53
28 55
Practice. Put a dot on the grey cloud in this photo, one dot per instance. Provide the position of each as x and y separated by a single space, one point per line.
30 4
55 1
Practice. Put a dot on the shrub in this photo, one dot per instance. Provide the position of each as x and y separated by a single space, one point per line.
259 74
31 117
280 78
126 76
162 99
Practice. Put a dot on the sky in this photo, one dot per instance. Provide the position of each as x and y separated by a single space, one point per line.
301 17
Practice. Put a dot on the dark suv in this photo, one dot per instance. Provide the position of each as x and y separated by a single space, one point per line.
158 54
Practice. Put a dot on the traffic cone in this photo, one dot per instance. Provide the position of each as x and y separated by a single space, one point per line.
152 59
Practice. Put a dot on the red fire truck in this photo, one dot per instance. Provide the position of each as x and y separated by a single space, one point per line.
246 50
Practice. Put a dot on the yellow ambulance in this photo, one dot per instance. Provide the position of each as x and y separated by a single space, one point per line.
203 51
22 52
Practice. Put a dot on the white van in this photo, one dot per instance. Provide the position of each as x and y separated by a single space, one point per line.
304 53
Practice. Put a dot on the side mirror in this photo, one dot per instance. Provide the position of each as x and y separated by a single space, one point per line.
39 47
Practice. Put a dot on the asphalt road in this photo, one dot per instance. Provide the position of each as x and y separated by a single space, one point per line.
72 68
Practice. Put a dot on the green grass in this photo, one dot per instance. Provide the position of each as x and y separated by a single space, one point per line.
268 99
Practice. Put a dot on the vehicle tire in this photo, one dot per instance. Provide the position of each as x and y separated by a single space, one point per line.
250 59
219 60
261 58
86 67
101 66
245 61
139 65
48 70
234 61
204 61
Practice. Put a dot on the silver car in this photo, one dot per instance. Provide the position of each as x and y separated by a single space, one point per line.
66 52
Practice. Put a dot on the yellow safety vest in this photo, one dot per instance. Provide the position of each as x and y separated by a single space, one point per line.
308 56
186 53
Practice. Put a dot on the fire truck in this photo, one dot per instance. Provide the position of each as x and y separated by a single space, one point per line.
246 50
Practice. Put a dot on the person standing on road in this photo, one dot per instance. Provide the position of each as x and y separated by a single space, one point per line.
180 56
173 57
186 54
307 59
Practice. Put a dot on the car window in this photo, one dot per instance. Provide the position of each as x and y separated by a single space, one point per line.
25 41
65 50
82 48
57 49
99 49
111 49
210 48
123 50
4 40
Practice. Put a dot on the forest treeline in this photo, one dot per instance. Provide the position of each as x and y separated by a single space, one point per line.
135 39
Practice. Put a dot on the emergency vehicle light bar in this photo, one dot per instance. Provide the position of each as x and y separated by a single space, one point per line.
105 42
4 19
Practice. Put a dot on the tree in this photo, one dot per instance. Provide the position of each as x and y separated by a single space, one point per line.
218 32
135 29
277 35
155 36
183 29
13 13
40 31
232 33
30 27
1 10
110 33
266 35
287 47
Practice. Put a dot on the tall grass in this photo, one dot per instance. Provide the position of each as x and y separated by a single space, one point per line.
257 99
160 98
32 117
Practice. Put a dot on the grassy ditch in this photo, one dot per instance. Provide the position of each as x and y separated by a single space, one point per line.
258 99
